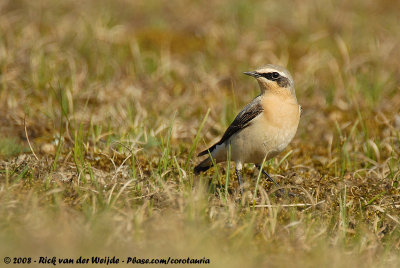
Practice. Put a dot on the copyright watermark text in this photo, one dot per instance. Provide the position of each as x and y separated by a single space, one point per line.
107 260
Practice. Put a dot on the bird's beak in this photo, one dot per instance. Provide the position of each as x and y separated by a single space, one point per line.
253 74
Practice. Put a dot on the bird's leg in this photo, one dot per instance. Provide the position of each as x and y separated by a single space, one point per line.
238 170
239 176
268 177
282 191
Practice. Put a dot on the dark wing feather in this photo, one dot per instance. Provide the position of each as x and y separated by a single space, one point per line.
242 120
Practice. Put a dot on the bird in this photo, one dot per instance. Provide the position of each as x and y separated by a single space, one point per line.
263 128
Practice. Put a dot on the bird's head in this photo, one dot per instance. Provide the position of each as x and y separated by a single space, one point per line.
274 78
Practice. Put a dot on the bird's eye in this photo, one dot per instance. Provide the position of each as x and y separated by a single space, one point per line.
275 75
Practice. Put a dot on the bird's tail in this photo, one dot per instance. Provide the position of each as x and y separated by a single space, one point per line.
203 166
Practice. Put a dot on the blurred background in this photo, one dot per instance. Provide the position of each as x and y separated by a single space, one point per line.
113 94
106 57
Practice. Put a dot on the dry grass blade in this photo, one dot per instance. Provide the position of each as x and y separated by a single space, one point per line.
27 139
289 205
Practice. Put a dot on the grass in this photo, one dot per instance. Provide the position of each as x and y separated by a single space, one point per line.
119 97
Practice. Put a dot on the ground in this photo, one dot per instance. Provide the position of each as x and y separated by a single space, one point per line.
105 104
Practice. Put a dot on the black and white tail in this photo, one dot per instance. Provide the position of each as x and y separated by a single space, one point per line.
203 166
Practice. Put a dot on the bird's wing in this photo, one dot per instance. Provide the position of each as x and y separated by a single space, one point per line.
242 120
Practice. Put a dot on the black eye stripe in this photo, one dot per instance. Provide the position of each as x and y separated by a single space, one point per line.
270 76
282 81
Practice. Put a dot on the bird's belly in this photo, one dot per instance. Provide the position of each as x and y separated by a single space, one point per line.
252 144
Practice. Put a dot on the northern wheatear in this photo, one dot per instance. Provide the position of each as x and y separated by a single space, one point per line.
263 128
